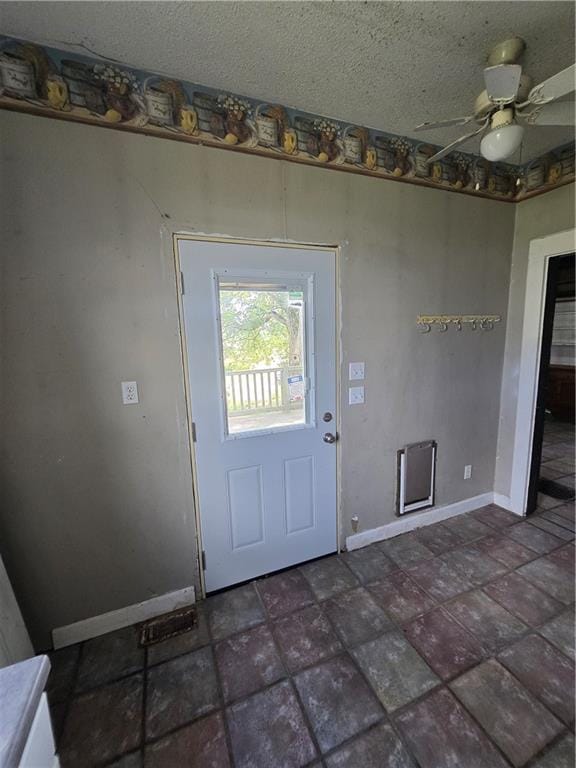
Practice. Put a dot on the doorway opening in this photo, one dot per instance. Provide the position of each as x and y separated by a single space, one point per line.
552 471
258 323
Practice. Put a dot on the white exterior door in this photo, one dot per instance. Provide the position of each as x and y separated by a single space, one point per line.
259 324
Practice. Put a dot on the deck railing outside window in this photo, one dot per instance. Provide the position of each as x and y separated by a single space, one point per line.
263 389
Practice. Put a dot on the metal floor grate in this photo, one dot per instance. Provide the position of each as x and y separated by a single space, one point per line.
168 625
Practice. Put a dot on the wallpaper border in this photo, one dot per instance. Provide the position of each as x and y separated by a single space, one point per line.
48 82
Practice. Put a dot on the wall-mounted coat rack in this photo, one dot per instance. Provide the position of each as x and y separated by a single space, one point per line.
483 322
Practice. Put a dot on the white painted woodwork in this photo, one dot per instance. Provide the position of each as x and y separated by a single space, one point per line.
541 251
267 499
122 617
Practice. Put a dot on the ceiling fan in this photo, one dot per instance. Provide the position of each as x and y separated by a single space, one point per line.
508 102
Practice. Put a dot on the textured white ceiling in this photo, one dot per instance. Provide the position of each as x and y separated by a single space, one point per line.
387 65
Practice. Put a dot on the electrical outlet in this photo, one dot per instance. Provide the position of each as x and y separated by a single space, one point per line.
355 395
129 392
467 471
356 371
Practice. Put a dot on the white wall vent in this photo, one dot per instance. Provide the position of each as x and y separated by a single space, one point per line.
416 476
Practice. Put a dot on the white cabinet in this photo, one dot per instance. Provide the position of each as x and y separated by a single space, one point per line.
39 751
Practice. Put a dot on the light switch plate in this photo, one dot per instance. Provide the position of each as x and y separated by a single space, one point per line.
355 395
129 392
356 371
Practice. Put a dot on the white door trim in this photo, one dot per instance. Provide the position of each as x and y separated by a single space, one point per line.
541 251
184 233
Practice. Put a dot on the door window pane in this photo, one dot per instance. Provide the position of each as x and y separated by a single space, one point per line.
263 351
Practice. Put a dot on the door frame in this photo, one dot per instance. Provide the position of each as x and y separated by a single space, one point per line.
548 311
540 252
177 236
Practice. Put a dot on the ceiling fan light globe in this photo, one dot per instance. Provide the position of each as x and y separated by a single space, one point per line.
501 142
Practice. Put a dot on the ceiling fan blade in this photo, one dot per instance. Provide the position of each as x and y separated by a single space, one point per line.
556 86
555 113
502 82
446 151
444 123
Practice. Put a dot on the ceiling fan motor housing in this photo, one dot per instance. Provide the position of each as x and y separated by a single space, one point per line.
506 52
502 117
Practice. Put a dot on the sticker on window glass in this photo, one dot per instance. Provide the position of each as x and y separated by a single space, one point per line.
295 298
296 388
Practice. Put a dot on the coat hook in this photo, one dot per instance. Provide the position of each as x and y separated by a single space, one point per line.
482 322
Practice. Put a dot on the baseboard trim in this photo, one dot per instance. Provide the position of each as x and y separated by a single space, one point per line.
418 520
123 617
506 503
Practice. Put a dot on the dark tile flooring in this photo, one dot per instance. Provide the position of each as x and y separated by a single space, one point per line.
557 460
449 647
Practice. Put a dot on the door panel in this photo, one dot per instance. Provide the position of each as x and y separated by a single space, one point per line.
260 339
299 490
245 505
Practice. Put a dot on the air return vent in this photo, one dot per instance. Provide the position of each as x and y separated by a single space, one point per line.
416 476
168 625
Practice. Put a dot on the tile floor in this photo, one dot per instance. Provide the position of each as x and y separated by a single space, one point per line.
557 462
450 646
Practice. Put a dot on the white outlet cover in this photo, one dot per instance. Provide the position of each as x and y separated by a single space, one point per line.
129 392
356 371
467 471
355 395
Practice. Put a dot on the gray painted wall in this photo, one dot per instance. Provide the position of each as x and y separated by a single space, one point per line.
98 510
541 216
15 642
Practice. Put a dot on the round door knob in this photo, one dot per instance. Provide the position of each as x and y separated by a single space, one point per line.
329 438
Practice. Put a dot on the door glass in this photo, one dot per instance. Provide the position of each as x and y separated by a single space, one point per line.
263 353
